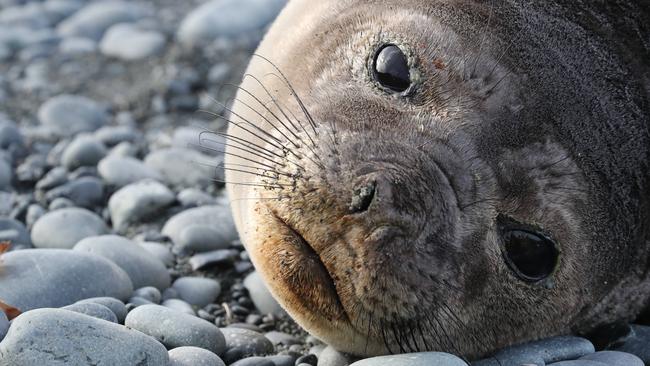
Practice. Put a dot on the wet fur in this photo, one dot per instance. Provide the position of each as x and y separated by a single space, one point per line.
536 112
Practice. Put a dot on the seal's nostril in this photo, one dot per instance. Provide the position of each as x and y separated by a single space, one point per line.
362 198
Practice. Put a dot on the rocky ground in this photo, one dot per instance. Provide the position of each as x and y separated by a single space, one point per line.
119 245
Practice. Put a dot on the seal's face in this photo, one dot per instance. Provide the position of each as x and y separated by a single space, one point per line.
397 192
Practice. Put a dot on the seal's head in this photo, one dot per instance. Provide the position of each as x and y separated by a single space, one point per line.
403 177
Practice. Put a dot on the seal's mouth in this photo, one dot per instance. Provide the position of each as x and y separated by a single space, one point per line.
298 265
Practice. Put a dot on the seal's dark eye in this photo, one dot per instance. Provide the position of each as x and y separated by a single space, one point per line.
391 68
531 256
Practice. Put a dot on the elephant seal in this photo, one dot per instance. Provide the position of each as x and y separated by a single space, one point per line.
448 175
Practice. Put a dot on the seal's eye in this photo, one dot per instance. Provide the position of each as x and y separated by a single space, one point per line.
391 69
531 256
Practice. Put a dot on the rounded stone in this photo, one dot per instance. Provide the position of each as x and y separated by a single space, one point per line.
331 357
176 329
95 18
242 343
218 217
226 17
194 197
260 294
122 170
183 167
614 358
6 174
200 238
413 359
138 200
177 304
37 278
547 350
128 42
142 268
57 336
63 228
85 192
198 291
14 231
93 309
68 115
160 251
253 361
115 135
149 293
84 150
4 325
193 356
117 307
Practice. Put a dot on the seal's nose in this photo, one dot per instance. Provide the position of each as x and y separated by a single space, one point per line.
362 196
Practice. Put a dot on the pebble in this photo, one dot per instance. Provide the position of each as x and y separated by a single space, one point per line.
59 203
282 360
182 167
4 325
192 197
117 307
414 359
176 329
215 257
57 336
242 343
128 42
68 115
10 135
137 201
541 352
217 217
136 301
308 359
6 174
614 358
261 296
198 291
32 168
14 231
93 309
122 170
63 228
253 361
85 192
149 293
36 278
177 304
577 363
94 19
84 150
160 251
75 46
34 212
114 135
193 356
282 338
200 238
331 357
226 17
637 343
142 268
55 177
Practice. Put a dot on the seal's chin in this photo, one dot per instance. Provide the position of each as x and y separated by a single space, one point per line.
300 281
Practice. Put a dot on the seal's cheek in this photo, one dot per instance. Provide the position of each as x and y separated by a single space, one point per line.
295 274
